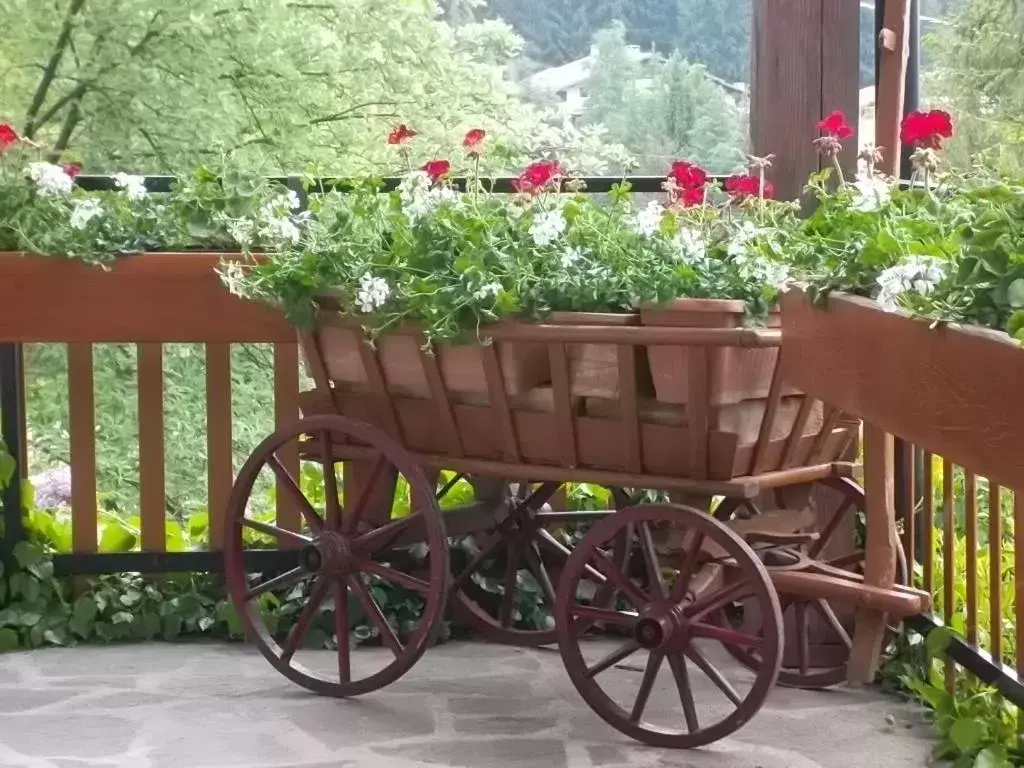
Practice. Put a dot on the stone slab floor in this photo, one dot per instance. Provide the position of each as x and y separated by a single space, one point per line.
207 706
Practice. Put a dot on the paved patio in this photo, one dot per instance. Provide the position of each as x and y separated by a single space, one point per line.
207 706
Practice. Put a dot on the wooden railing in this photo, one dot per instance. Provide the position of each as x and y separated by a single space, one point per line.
149 300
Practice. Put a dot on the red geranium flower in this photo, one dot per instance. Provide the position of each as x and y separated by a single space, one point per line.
835 125
687 175
692 196
538 176
926 129
748 186
401 134
72 169
437 169
474 140
8 136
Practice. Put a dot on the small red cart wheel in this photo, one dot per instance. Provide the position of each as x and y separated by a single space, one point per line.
816 652
334 559
528 546
667 621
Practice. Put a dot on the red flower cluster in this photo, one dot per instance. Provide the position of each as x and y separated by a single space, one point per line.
474 141
72 169
926 129
690 181
401 134
437 169
8 136
835 125
748 186
538 176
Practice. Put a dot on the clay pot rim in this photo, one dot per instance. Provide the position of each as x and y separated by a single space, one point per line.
593 318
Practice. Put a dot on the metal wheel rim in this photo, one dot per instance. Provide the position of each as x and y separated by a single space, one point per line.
578 669
423 501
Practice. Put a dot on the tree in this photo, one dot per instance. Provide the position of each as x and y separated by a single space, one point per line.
717 34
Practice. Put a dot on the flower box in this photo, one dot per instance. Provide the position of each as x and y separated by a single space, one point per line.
736 374
955 389
594 368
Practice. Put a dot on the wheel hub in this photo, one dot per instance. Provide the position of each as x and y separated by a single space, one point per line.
328 553
663 628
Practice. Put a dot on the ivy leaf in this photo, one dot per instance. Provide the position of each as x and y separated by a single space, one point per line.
992 757
27 554
937 641
1015 293
7 467
8 640
966 733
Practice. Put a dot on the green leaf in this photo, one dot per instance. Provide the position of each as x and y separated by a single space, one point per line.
8 640
7 467
1015 293
992 757
966 733
937 641
27 554
116 537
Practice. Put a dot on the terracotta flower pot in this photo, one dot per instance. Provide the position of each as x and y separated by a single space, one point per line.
594 368
462 366
736 374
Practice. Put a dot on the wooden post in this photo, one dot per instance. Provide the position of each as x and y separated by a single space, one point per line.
805 64
893 52
879 552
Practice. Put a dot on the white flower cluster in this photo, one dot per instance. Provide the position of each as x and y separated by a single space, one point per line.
486 290
51 180
420 197
278 220
690 246
752 265
571 257
547 227
739 245
870 192
648 220
134 187
372 293
917 274
242 231
84 211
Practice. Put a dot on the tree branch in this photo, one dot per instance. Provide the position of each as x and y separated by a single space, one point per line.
347 114
63 39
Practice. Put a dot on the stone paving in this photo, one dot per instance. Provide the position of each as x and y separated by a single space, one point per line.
464 704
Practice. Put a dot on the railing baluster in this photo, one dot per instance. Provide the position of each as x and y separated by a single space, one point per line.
971 545
928 513
948 558
82 425
152 490
286 411
1018 579
218 437
995 571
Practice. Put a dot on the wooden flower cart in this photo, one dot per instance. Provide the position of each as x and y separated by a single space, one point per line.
758 555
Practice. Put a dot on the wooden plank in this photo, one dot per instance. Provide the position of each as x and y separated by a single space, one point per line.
218 437
286 411
879 555
971 544
840 69
499 402
152 489
630 418
439 394
152 297
797 433
698 410
995 571
764 435
558 358
893 54
82 425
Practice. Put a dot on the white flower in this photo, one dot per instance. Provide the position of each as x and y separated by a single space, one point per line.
690 244
775 275
282 228
241 230
372 293
419 197
51 180
133 186
84 211
649 219
571 257
738 246
547 227
486 290
292 200
870 192
917 274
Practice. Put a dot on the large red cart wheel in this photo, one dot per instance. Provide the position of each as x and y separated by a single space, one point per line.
667 621
528 545
818 632
336 555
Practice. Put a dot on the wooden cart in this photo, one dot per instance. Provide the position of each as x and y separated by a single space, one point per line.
758 554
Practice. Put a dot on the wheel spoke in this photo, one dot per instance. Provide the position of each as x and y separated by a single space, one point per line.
448 486
713 674
397 577
541 496
340 589
350 524
382 537
375 615
512 558
679 671
646 684
726 636
607 615
298 632
292 490
803 649
540 572
621 653
623 585
286 579
829 615
330 481
718 600
685 576
478 559
546 537
830 528
657 590
273 530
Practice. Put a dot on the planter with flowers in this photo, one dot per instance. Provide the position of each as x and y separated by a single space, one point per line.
913 310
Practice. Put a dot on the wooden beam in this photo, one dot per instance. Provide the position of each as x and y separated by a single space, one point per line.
893 51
